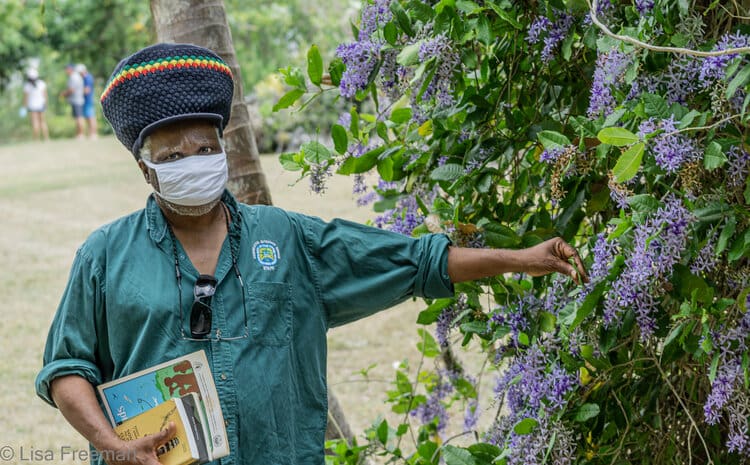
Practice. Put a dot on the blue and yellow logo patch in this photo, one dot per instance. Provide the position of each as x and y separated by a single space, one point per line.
266 253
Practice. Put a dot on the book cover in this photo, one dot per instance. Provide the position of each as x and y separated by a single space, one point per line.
183 448
126 397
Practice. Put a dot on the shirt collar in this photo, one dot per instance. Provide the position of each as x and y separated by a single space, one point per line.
157 224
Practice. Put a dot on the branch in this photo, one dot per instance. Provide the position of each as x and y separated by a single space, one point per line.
701 128
684 407
657 48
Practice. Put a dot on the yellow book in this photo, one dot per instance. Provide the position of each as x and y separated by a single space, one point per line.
187 446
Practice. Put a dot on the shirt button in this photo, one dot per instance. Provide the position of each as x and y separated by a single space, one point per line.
223 377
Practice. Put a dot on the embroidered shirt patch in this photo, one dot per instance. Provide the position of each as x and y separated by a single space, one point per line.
266 253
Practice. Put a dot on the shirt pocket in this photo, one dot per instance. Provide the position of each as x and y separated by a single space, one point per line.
271 313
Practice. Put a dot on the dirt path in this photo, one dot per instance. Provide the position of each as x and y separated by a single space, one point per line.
53 195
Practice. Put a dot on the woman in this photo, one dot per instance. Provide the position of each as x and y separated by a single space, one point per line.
35 101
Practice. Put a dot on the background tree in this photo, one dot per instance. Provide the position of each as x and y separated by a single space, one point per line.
205 23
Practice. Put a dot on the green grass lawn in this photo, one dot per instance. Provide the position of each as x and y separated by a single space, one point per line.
52 195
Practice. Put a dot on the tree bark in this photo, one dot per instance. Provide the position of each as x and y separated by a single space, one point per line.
204 23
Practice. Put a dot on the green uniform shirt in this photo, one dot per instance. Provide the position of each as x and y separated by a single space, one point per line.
119 314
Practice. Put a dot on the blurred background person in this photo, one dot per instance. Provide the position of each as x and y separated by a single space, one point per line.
89 115
75 95
35 102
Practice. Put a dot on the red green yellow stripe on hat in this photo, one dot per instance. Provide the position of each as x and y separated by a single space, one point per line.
162 65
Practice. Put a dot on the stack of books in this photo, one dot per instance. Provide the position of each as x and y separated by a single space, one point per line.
180 391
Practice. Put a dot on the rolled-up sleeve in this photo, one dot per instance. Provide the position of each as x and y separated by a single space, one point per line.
72 339
360 269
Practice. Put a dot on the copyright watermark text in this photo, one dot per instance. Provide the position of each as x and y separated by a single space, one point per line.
31 454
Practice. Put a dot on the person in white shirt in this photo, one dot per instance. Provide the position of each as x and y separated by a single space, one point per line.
35 102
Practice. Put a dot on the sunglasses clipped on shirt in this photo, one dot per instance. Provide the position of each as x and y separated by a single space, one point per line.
200 312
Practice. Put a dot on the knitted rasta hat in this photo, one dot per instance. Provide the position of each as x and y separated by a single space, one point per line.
162 84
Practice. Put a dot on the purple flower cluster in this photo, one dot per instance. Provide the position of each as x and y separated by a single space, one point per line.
721 391
433 410
714 68
516 316
533 386
680 80
604 253
445 321
550 156
738 167
319 174
447 61
644 7
389 75
374 15
360 59
556 32
671 149
658 244
727 390
610 68
706 260
556 296
406 215
471 415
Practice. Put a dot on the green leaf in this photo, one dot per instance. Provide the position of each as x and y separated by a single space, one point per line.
431 313
315 152
447 172
484 31
288 161
340 140
688 285
401 115
383 432
655 106
525 426
409 55
363 164
354 125
314 65
485 453
714 157
629 162
427 344
293 77
403 19
456 456
499 236
390 32
336 70
553 140
739 80
616 136
643 203
288 99
547 322
740 248
588 305
614 117
506 16
586 412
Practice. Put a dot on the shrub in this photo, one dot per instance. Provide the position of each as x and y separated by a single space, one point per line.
504 123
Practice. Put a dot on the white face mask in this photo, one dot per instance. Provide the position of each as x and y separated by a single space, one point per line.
192 181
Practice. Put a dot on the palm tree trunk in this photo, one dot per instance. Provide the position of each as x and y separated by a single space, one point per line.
204 23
